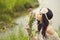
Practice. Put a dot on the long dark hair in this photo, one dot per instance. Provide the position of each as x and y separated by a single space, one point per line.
45 22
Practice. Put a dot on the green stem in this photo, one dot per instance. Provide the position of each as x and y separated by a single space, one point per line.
30 26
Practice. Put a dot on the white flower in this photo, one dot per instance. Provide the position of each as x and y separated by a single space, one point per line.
44 10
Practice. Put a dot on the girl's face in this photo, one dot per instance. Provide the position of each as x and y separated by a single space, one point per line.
39 17
42 11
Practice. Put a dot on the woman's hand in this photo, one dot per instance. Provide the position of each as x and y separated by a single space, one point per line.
27 28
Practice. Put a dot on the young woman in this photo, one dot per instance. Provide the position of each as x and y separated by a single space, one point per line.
44 28
43 18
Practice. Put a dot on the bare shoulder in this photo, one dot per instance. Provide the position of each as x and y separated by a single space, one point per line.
50 27
50 30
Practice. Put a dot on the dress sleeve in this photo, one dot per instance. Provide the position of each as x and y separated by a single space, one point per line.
53 37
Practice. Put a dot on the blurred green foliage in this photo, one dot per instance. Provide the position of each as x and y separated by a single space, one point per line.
59 31
11 9
13 36
6 5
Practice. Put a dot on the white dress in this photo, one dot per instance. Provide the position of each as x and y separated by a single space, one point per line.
49 37
52 37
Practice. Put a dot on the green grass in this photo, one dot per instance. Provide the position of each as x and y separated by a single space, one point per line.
20 36
59 31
